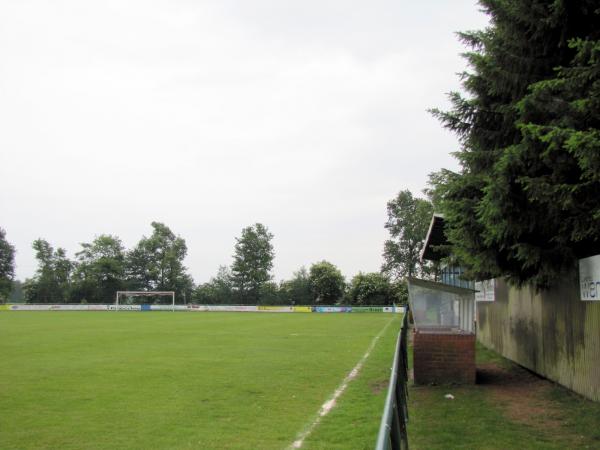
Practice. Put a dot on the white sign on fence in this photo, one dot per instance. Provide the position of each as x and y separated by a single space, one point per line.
486 291
59 307
589 278
125 307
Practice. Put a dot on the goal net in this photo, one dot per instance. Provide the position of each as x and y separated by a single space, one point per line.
161 300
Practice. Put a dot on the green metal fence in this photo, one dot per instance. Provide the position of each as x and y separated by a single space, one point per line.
392 431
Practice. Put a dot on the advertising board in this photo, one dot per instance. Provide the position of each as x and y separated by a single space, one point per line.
365 309
125 307
589 279
264 308
332 309
231 308
202 308
486 291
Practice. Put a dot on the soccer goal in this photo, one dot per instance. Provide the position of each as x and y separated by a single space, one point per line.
131 294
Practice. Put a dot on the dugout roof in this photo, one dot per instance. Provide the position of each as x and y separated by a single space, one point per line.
435 237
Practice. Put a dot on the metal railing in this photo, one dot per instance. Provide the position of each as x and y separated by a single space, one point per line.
392 431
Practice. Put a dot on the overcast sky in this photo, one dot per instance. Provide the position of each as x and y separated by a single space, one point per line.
209 116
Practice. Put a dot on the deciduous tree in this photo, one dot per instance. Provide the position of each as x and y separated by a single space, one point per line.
327 283
100 270
252 262
51 283
218 290
407 224
156 263
298 290
370 289
17 295
7 266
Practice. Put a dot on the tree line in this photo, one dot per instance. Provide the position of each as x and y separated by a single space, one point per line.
103 267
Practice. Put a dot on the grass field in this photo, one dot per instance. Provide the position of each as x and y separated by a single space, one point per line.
85 380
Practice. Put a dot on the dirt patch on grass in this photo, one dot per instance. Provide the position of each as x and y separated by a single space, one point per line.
378 386
522 396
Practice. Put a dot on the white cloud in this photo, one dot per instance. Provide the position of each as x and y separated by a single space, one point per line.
306 116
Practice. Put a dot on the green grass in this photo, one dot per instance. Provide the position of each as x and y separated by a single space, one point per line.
478 418
580 416
470 421
484 355
75 380
354 424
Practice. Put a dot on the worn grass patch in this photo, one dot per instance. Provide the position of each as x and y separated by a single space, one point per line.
508 408
109 380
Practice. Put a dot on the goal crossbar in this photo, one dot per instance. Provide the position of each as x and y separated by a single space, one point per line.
146 294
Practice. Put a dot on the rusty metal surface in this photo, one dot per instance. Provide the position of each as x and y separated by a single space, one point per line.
550 332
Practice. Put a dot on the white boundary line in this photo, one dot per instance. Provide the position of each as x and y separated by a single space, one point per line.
329 404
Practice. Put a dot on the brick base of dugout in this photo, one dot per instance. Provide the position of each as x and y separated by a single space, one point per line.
444 358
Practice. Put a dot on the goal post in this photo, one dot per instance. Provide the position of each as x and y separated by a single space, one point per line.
145 294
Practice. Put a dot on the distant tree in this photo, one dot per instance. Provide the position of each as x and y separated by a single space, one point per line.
408 221
270 294
100 270
218 290
204 294
51 283
17 295
400 291
156 263
525 203
141 270
7 266
298 290
371 289
327 283
252 263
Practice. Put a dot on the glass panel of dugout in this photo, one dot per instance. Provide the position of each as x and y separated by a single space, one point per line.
440 308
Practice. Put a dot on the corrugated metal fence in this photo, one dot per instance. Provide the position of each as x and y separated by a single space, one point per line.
550 332
392 431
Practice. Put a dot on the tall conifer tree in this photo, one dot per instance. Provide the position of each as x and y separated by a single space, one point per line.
523 205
